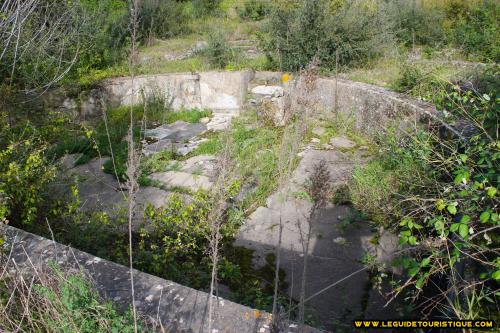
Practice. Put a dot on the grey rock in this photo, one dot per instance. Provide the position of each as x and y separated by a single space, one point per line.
342 142
268 91
182 179
219 122
201 164
319 131
178 131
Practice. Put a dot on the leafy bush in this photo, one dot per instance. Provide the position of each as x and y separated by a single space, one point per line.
410 77
174 246
218 51
447 204
161 19
25 174
415 23
475 29
297 34
254 9
83 35
202 8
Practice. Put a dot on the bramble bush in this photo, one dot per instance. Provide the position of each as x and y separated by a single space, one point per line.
448 205
416 24
218 51
473 27
160 19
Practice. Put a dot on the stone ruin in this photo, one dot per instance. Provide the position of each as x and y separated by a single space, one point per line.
336 249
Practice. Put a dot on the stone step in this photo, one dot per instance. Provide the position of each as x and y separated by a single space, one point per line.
182 179
200 165
339 239
220 121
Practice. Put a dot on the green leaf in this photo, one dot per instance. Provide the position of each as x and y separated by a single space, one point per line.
463 230
462 177
463 157
405 221
425 262
496 275
412 240
465 219
440 205
420 282
484 217
406 233
452 209
413 271
439 225
491 191
494 217
454 227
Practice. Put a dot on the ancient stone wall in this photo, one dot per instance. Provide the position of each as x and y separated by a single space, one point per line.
180 309
371 108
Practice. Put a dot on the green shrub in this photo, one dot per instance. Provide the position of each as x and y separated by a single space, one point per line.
161 19
174 246
218 51
85 35
25 174
475 29
410 77
202 8
297 34
446 194
416 24
254 9
157 162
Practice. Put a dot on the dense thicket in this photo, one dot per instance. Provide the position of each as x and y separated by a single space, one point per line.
307 29
359 31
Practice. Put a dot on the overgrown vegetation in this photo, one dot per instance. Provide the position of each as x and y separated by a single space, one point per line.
352 33
254 9
55 301
438 189
441 188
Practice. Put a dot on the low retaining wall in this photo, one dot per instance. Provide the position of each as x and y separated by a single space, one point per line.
218 91
371 108
180 309
211 90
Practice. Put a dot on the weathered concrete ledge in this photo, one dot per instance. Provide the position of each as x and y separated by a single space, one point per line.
179 308
371 108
